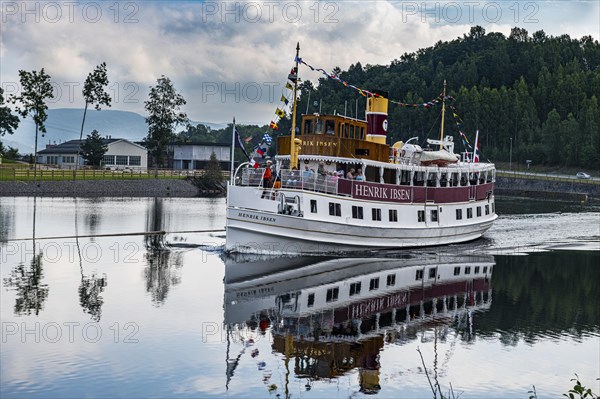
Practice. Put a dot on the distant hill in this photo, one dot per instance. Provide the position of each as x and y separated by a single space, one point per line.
64 124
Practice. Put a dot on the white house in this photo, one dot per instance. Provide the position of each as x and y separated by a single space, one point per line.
196 155
121 154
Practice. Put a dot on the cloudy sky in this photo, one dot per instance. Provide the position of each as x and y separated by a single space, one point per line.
232 58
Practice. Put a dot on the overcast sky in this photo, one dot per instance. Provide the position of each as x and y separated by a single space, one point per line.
232 58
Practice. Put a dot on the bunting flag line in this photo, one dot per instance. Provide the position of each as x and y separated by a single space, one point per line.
289 86
365 93
267 139
274 126
279 113
284 100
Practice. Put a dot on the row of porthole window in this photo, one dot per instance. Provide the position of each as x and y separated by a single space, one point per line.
355 289
335 209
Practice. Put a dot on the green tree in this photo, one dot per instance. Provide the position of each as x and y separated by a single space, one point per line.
95 94
35 90
11 153
8 121
164 109
213 172
93 149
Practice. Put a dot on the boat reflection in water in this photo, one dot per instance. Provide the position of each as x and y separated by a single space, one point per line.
331 316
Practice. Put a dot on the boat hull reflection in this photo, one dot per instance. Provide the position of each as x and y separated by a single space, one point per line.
333 315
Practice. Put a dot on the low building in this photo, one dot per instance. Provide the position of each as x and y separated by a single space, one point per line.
121 154
187 156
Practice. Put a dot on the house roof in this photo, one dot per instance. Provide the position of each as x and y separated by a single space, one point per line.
203 143
72 146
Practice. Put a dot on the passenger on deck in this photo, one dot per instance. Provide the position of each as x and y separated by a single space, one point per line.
350 174
307 174
359 175
267 175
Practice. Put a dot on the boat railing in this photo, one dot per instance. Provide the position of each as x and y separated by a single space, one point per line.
294 179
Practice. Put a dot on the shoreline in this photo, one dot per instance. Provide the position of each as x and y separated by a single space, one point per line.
102 188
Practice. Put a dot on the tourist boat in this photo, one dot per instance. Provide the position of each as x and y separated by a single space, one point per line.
342 188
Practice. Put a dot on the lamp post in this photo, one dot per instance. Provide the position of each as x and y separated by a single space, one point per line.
510 156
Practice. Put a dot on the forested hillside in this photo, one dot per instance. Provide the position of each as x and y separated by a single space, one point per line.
540 91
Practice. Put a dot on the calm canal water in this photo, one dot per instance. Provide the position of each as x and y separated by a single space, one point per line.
86 312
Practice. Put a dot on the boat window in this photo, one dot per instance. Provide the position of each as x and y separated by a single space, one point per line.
478 211
421 216
374 284
487 209
335 209
468 270
319 126
476 269
457 271
311 300
493 208
393 215
433 272
391 280
485 269
459 214
351 131
469 213
357 212
355 288
313 206
308 127
419 274
434 215
329 126
376 214
332 294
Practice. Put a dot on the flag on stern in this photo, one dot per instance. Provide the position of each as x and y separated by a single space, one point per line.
240 144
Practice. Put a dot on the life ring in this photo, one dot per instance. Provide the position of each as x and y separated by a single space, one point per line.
306 161
328 162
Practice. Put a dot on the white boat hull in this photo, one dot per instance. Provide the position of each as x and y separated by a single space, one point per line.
253 231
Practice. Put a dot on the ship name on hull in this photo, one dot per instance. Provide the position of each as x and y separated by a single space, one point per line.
381 192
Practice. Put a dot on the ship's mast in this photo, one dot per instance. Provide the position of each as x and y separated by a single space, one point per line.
293 150
443 114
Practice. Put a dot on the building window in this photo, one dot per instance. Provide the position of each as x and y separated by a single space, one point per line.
457 271
476 270
468 270
478 211
376 214
355 288
419 274
391 280
485 269
135 160
357 212
393 215
69 159
434 215
487 209
108 160
459 214
421 216
332 294
313 206
433 272
335 209
469 213
311 300
122 160
374 284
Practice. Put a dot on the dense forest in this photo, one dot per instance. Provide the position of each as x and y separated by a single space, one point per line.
537 92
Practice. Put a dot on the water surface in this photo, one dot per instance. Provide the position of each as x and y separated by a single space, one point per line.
170 315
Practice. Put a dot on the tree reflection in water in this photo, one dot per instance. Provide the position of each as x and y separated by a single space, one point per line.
27 281
163 266
92 286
